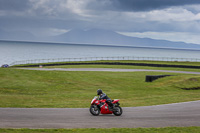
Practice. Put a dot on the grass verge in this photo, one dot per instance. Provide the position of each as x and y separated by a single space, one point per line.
123 61
111 130
124 66
56 89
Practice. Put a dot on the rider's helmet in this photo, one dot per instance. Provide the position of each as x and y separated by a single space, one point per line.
99 91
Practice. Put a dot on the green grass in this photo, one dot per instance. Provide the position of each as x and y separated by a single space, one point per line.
128 61
156 62
124 67
127 66
112 130
58 89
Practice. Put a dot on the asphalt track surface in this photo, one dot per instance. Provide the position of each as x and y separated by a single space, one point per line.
107 70
168 115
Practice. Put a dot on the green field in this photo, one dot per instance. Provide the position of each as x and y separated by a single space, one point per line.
59 89
127 61
112 130
125 66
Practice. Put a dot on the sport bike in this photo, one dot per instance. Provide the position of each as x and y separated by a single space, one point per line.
100 106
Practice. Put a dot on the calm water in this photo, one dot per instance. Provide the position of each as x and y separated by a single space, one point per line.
18 51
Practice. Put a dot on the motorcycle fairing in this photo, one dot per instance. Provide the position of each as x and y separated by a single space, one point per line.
105 109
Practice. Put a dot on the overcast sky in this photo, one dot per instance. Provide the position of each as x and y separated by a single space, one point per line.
176 20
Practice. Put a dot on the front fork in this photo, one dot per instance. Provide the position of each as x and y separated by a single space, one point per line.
95 107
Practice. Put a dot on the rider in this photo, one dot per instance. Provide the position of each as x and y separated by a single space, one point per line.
104 96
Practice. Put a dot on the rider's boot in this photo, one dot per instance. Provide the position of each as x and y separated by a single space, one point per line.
111 106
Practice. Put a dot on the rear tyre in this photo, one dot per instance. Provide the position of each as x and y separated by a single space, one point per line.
117 111
94 110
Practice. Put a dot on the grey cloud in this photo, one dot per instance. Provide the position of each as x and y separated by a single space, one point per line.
14 5
103 11
138 5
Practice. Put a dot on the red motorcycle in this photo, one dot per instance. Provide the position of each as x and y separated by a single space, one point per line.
100 106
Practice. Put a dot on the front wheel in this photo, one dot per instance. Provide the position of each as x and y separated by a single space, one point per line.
117 111
94 110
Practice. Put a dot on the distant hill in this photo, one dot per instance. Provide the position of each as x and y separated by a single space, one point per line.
97 37
106 37
17 35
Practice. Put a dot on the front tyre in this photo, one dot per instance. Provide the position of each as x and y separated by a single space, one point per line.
117 111
94 110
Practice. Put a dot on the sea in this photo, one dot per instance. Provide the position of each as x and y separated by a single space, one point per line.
12 51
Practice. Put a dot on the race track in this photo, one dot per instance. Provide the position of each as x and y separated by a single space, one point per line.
108 70
168 115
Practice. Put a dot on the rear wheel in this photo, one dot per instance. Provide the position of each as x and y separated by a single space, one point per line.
117 111
94 110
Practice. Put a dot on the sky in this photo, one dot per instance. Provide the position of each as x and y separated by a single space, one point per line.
175 20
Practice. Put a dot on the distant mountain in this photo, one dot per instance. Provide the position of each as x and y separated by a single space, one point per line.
97 37
17 36
106 37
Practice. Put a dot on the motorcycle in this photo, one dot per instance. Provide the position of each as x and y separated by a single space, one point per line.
100 106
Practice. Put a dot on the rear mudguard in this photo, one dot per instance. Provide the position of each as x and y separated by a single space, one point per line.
115 101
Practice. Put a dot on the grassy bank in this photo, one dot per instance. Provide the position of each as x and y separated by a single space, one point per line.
25 88
112 130
127 61
124 66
